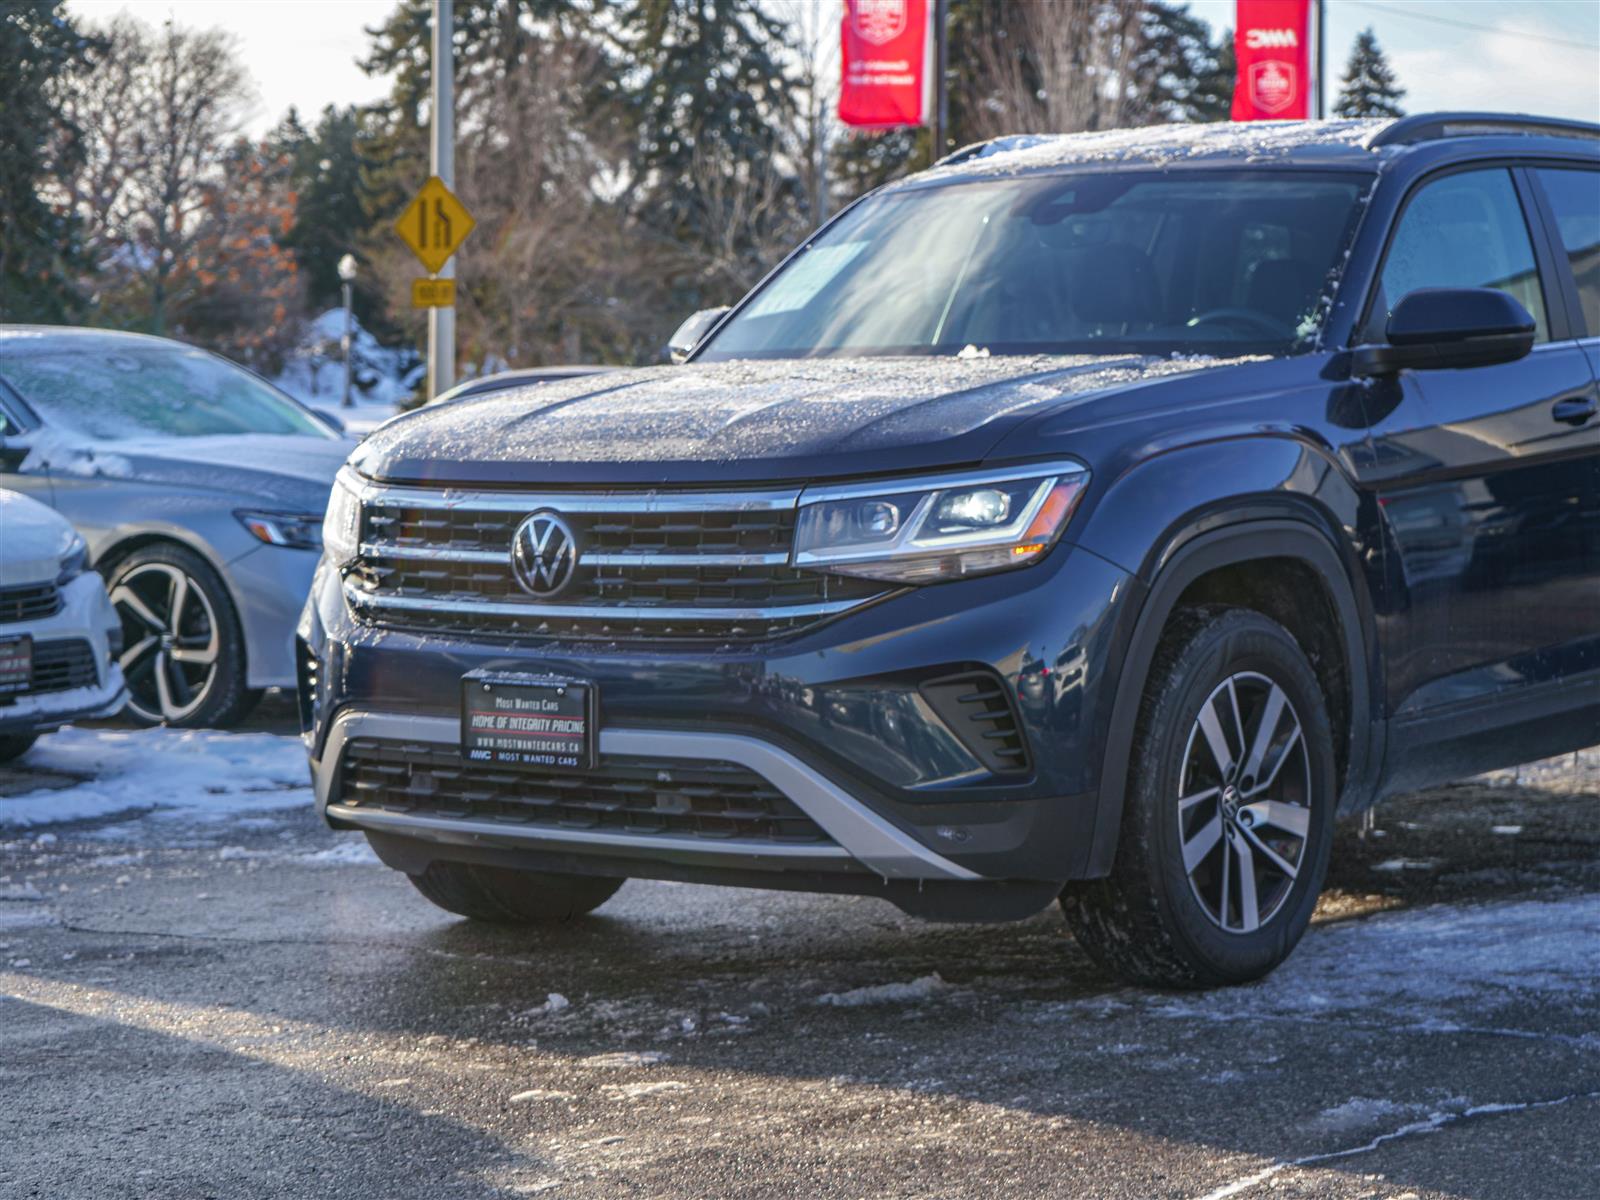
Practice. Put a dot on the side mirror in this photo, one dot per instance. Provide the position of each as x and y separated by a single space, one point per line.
1436 328
330 420
692 332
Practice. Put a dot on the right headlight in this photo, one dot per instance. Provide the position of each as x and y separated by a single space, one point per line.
341 527
928 530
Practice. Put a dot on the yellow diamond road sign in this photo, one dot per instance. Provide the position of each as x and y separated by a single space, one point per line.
434 225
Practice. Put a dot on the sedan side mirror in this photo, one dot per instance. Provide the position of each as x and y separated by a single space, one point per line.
1435 328
692 332
329 419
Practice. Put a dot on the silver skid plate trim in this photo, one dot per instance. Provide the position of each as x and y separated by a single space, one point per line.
859 832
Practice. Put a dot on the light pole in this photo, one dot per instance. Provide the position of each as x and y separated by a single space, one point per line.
347 276
442 158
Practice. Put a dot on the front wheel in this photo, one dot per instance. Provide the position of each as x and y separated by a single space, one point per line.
1229 813
502 896
183 650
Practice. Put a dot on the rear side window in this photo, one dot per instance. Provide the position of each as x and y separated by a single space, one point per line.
1466 230
1575 197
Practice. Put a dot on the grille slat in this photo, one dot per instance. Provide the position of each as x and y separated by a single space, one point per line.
717 801
60 666
716 566
31 603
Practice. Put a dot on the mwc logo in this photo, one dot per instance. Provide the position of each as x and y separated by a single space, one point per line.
1271 39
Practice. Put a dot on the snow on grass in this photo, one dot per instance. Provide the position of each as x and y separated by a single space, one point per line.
916 992
199 775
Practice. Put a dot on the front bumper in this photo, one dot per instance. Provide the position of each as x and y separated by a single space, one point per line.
832 718
86 615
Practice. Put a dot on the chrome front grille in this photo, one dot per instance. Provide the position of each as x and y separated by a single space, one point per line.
651 566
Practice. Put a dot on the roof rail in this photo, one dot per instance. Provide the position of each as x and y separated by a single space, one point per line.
971 150
1428 127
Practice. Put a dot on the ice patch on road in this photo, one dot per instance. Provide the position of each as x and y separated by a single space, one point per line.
197 774
1407 964
31 917
624 1058
915 992
353 852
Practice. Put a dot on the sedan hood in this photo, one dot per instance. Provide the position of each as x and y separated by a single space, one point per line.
768 420
287 473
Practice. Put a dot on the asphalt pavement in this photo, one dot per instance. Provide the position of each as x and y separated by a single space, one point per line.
250 1008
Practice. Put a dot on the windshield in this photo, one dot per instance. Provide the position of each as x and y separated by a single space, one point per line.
116 393
1218 262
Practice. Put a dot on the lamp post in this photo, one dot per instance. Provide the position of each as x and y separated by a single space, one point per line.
347 276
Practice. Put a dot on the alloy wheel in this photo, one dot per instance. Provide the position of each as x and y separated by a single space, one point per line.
1244 802
172 641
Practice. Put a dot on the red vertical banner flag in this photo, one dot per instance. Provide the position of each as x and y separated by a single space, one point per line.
1272 43
886 76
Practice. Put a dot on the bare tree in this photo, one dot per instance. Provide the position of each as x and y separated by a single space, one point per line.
814 30
1045 66
158 116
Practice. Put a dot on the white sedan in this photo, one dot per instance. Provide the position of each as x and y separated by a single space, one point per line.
59 636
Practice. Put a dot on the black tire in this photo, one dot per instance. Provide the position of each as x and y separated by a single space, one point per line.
503 896
1156 921
14 746
198 694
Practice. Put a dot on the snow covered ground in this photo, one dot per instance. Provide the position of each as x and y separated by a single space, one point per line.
314 374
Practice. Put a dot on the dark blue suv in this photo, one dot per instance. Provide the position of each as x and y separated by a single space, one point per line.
1093 517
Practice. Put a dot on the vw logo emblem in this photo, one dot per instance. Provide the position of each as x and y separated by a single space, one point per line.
544 554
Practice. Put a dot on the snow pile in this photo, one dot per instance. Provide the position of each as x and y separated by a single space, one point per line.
916 992
198 774
382 376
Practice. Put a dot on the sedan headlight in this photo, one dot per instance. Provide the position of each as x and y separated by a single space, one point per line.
341 527
932 529
299 531
74 562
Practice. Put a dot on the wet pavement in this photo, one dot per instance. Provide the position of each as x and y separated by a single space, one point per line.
250 1008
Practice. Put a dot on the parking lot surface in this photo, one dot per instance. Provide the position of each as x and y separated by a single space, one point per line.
205 994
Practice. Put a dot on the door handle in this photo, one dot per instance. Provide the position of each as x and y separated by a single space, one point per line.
1574 410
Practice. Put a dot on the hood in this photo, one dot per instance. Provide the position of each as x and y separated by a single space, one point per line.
33 540
766 420
291 473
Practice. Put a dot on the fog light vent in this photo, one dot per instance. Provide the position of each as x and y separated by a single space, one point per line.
977 707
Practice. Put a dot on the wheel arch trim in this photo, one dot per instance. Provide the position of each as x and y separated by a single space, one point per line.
1189 555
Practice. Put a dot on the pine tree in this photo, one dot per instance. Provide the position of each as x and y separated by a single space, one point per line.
40 240
710 99
1369 87
324 172
1188 77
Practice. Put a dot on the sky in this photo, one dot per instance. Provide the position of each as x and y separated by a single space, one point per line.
1535 56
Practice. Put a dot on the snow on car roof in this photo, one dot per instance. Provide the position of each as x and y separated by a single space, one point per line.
1344 141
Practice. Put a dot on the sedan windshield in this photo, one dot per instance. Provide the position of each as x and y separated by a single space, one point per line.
116 393
1219 262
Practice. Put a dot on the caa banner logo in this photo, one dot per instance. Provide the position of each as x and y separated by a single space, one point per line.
1272 85
880 21
1271 39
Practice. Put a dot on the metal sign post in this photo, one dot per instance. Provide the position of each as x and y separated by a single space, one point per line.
442 320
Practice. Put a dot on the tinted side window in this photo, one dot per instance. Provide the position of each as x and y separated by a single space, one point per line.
1466 230
1575 197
